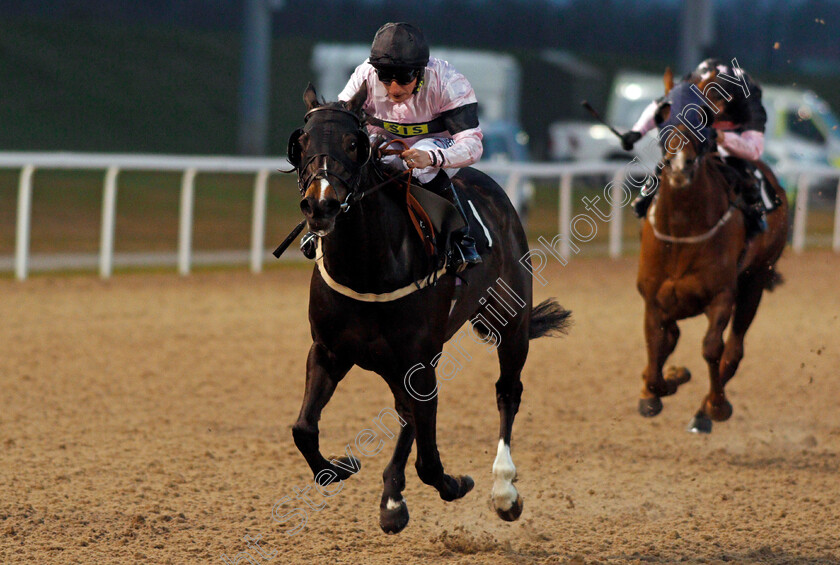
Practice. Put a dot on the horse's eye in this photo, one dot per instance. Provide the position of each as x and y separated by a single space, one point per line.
352 146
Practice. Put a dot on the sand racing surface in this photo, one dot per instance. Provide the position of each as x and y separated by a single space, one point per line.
147 419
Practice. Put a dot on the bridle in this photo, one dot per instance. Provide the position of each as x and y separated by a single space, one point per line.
354 194
323 172
353 180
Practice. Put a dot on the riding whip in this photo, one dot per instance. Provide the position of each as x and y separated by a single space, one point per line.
598 117
289 239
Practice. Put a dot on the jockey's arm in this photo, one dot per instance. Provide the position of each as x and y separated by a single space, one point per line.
466 150
462 124
466 146
748 145
459 110
646 121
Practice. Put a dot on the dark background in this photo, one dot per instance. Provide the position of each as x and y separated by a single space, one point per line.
163 75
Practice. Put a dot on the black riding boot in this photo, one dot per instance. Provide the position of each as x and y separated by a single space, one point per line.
755 211
465 254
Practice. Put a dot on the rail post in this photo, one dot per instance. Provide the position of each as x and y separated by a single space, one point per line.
24 218
258 221
186 221
109 212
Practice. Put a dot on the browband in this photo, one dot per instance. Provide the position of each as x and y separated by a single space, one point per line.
334 109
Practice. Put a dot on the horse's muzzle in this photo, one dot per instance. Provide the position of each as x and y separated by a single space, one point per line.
320 213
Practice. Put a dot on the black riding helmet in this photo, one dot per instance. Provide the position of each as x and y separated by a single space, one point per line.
708 66
737 108
400 46
400 49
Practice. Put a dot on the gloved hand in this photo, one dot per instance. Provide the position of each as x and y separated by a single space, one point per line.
629 139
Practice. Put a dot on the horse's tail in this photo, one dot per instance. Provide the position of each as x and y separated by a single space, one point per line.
549 318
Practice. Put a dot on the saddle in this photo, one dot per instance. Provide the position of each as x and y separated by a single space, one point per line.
442 214
434 217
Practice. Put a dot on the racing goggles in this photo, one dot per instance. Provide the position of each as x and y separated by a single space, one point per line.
402 76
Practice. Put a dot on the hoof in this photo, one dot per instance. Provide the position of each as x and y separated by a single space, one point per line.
650 407
465 485
719 412
676 376
513 513
700 424
457 487
393 516
344 467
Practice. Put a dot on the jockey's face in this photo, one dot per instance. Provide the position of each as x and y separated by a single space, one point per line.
399 92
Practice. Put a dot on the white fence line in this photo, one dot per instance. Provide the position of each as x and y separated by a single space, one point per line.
113 164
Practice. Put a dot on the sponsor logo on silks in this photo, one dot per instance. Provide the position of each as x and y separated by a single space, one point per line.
406 130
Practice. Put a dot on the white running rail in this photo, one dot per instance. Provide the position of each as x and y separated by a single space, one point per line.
616 194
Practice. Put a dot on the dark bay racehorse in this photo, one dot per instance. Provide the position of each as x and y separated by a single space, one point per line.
696 258
372 304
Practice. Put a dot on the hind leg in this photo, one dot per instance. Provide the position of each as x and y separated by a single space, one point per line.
393 510
750 292
715 406
323 373
512 351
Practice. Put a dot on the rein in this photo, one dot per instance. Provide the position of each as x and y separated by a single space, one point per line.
419 218
352 198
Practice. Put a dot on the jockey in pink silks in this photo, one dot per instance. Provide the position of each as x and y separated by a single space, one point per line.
427 104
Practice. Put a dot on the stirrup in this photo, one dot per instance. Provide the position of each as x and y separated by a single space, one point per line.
467 247
756 218
462 254
308 245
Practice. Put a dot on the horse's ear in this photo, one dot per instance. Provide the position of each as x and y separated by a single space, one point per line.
357 102
668 79
310 97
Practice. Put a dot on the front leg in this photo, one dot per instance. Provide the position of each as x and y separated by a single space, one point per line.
323 373
661 336
424 412
715 406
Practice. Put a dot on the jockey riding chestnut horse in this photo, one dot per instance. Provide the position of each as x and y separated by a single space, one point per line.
696 257
739 122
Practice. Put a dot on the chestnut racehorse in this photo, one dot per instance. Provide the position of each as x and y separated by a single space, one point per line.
696 258
377 300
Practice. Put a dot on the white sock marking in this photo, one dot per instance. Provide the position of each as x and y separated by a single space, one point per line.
504 494
394 504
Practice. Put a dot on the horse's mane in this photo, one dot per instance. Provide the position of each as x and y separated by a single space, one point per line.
714 166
